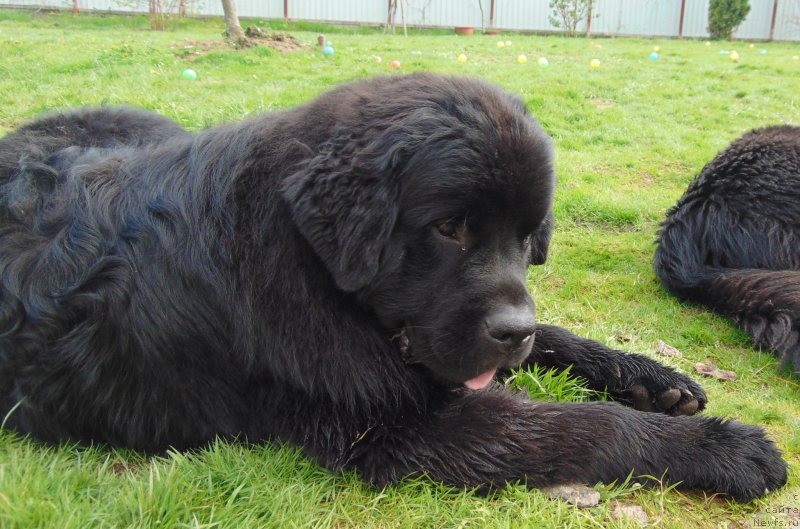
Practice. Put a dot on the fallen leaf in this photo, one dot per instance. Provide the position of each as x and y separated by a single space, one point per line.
664 349
710 370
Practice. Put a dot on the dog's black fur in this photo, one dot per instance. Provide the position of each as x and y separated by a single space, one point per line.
31 148
331 276
732 242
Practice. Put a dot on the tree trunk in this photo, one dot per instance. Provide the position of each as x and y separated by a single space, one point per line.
403 18
589 18
152 13
232 26
391 17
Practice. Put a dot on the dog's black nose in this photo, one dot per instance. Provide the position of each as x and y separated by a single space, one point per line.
510 327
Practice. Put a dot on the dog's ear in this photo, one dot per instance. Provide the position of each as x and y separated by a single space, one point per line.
344 202
540 240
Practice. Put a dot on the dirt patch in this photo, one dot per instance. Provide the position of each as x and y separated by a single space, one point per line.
602 104
192 49
282 42
276 40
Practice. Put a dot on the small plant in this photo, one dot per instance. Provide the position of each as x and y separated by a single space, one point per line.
614 490
568 13
724 16
552 385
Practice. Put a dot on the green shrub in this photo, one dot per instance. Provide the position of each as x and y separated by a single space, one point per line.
724 16
567 14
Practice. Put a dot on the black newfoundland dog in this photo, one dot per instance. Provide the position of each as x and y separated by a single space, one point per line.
732 242
347 276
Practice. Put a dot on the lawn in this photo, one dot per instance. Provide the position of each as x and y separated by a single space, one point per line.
629 136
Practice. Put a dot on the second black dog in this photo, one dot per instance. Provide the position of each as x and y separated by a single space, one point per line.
732 242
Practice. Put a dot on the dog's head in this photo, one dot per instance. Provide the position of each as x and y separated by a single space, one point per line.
428 201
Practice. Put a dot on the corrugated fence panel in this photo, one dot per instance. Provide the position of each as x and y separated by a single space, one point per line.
636 17
254 8
30 3
364 11
446 13
756 25
607 17
111 5
695 20
532 15
132 6
611 17
214 8
245 8
787 21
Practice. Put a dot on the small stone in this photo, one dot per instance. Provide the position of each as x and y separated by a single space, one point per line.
710 370
255 32
664 349
630 512
575 494
622 337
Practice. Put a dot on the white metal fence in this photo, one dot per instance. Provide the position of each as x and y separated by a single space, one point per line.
776 19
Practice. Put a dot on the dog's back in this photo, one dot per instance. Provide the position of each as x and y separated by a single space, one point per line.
732 242
34 159
56 273
35 143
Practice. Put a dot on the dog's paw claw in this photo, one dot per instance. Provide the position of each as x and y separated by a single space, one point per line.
673 400
667 399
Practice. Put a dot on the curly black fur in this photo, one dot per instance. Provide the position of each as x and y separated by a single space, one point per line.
332 276
37 146
732 242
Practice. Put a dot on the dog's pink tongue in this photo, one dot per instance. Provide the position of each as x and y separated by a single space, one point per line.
481 381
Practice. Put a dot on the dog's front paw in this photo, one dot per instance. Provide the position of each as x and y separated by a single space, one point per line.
664 390
743 462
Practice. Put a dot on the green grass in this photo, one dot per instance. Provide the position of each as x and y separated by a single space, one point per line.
552 385
629 137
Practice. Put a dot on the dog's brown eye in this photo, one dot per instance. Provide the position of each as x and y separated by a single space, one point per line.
447 229
453 231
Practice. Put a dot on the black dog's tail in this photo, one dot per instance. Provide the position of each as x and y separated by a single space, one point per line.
697 262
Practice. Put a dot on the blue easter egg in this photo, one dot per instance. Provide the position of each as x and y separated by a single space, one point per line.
654 56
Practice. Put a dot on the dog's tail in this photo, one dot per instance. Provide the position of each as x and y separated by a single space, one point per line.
704 258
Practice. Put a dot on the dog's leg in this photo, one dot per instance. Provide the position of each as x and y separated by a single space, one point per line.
766 304
631 379
489 438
